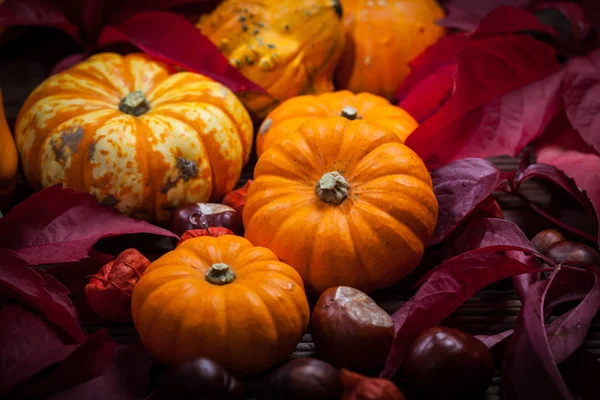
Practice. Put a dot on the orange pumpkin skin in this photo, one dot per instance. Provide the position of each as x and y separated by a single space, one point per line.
377 232
126 130
9 162
246 325
286 47
292 113
382 38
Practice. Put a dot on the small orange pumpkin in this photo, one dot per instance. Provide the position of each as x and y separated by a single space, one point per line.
287 47
344 202
292 113
221 298
383 36
9 163
136 136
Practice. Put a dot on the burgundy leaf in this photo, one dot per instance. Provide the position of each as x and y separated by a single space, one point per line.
444 289
459 188
569 153
488 69
488 208
522 283
27 345
87 362
466 14
493 340
36 12
42 292
68 62
172 39
59 225
582 96
509 20
530 370
126 378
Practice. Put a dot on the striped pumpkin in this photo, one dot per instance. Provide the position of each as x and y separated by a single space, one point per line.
135 135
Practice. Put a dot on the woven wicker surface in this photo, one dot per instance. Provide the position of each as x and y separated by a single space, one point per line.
490 311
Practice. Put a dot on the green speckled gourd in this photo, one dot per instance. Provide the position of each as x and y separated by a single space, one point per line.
287 47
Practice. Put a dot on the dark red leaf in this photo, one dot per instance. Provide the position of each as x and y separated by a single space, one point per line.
459 188
68 62
488 208
522 283
444 289
172 39
466 14
40 291
581 372
36 12
482 115
87 362
59 225
509 20
569 153
236 199
493 340
582 96
27 345
214 231
127 378
530 370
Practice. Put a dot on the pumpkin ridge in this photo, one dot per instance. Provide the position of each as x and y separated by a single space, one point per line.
112 96
355 234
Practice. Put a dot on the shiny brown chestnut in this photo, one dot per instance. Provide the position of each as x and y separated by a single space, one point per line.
546 238
303 379
201 215
201 378
567 252
445 363
350 330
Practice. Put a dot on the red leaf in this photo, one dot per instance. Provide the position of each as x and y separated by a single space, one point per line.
509 20
68 62
236 199
488 208
444 289
569 153
40 291
173 39
530 369
582 97
59 225
488 69
87 362
36 12
27 345
214 231
466 14
459 188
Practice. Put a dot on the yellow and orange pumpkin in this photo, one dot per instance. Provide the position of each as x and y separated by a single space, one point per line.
136 136
221 298
344 202
383 36
292 113
9 162
287 47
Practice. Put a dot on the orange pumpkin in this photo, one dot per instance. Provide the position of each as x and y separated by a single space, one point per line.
9 163
287 47
126 130
292 113
221 298
383 36
344 202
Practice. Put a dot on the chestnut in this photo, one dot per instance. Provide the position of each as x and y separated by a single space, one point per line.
201 378
202 215
303 379
350 330
445 363
546 238
567 252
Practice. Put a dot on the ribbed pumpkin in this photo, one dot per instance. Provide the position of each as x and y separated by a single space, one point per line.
287 47
292 113
344 202
221 298
126 130
383 36
9 162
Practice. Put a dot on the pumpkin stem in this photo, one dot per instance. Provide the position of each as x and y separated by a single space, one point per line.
220 274
350 113
332 188
134 103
